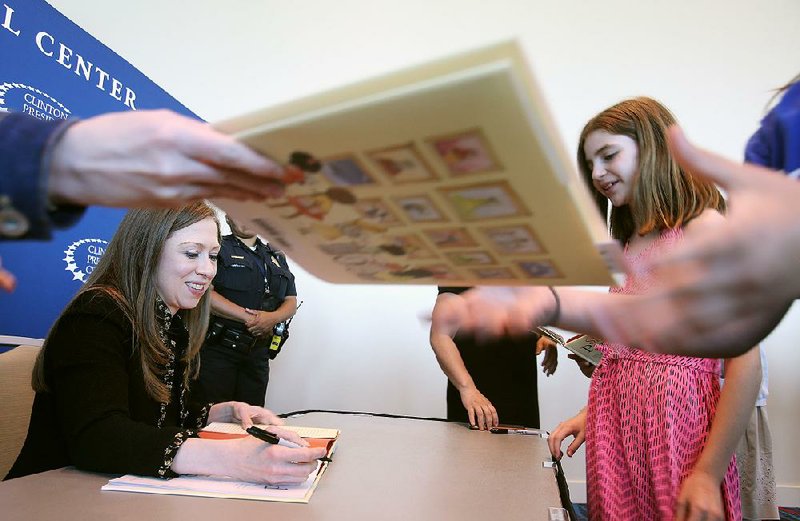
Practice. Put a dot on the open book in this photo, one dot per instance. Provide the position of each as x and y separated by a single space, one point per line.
223 487
448 172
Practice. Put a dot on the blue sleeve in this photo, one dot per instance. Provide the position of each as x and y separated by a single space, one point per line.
776 144
24 143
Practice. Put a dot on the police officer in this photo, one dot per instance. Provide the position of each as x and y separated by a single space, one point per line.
253 291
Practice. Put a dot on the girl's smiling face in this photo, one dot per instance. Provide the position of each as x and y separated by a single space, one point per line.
613 160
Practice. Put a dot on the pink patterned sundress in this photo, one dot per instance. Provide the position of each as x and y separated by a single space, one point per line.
648 421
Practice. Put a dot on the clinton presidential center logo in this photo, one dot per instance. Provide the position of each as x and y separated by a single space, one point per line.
82 256
18 97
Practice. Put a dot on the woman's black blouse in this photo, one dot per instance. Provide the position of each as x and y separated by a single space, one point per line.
96 414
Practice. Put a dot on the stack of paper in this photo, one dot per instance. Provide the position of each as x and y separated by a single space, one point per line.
223 487
206 486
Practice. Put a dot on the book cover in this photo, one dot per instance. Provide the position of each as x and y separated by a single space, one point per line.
448 172
315 436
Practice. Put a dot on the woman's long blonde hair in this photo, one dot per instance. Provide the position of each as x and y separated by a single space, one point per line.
664 194
127 273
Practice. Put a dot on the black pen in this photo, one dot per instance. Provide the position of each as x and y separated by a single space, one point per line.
516 430
268 437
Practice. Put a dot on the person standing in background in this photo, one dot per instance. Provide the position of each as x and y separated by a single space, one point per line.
492 382
253 291
754 458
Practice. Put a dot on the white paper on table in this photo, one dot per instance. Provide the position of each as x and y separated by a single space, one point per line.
219 487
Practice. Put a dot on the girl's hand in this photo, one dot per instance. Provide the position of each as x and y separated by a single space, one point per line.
586 368
576 427
700 499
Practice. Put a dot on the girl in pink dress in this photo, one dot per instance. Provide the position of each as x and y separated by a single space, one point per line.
660 436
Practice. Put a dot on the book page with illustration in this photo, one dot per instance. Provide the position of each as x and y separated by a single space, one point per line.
448 172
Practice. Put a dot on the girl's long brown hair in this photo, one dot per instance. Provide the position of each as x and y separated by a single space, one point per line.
664 194
127 273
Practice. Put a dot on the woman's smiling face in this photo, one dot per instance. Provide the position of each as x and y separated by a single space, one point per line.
187 265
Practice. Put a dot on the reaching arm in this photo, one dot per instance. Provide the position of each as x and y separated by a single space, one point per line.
575 427
155 158
495 311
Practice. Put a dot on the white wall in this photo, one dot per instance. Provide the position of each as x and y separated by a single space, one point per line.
365 348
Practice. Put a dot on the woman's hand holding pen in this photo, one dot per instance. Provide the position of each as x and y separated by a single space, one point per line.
242 413
247 459
276 464
575 426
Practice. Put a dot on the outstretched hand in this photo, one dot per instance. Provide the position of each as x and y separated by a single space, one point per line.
492 311
725 289
155 158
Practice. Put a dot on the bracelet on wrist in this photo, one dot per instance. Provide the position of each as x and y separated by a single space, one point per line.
557 310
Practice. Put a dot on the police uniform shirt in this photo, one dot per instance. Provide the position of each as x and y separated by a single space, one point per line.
245 276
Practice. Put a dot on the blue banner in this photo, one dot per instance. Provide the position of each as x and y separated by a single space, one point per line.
52 69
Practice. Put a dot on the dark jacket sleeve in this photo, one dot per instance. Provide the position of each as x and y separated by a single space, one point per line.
99 392
24 145
197 412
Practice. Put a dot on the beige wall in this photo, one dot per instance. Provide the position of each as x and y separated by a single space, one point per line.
365 348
